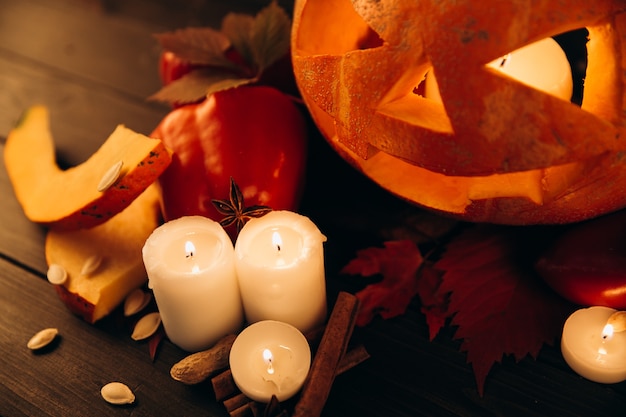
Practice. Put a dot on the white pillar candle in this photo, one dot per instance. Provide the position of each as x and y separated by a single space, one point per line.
191 269
591 348
270 358
542 65
280 267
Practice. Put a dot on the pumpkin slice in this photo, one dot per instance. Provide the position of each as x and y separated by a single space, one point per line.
104 263
85 195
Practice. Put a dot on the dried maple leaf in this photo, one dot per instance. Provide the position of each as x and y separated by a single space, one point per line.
398 263
434 303
498 303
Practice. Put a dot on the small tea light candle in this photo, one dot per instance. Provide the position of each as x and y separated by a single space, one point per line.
542 65
270 358
191 269
280 267
593 346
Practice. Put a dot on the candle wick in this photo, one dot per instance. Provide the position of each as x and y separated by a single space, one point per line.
189 255
270 368
504 59
278 247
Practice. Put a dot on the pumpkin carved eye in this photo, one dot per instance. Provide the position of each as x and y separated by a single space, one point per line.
492 148
542 65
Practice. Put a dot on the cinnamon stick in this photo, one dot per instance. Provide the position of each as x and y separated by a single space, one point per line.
224 385
352 358
197 367
329 353
235 402
245 410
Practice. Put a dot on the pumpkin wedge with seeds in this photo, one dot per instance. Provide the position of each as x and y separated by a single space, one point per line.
87 194
117 245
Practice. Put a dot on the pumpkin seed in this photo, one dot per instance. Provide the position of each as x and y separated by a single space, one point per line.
109 177
146 326
42 338
136 301
56 274
91 265
117 393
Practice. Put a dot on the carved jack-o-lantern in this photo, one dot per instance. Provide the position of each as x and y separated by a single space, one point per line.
493 149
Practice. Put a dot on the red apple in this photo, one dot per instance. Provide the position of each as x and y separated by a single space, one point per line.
587 264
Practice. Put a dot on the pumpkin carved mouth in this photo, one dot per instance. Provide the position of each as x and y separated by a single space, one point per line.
494 149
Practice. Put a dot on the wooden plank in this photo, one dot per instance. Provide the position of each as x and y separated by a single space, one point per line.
66 379
83 43
82 116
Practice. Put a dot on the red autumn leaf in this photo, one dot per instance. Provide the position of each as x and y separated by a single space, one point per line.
398 263
498 303
434 303
154 342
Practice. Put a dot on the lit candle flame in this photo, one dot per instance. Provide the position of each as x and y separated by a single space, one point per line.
189 249
268 357
277 240
607 332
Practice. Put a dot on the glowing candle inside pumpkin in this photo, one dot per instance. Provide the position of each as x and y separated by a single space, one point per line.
270 358
592 348
191 270
542 65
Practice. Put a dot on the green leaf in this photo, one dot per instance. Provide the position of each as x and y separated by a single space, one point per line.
269 39
203 46
260 40
228 83
237 28
197 85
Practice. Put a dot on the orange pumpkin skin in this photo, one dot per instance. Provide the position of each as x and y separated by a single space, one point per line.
495 150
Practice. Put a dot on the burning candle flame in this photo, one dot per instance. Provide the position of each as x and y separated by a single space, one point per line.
189 249
607 332
268 357
277 240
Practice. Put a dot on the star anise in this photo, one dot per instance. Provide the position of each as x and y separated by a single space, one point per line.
235 210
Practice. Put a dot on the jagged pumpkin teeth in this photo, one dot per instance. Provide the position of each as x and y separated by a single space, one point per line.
91 265
56 275
146 326
136 301
42 338
109 178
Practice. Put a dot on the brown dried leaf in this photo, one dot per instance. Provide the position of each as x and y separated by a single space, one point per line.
198 84
204 46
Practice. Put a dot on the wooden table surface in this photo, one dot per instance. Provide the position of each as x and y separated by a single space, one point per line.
93 63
